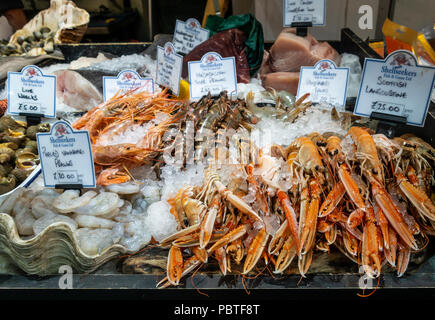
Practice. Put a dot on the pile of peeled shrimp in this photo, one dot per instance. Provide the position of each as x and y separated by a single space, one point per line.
363 193
98 218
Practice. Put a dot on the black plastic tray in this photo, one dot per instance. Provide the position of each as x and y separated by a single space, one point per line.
74 51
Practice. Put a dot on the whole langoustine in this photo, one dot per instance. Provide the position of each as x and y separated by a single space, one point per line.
366 151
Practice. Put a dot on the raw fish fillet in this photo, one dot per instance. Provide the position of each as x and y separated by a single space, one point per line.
288 54
75 91
287 81
323 50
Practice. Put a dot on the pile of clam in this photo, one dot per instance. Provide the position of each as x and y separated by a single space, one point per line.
39 42
18 151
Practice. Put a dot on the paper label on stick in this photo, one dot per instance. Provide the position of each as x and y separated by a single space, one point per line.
296 11
325 83
169 65
66 156
213 74
32 92
188 35
125 81
397 86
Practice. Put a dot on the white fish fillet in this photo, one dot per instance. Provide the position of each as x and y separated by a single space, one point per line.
76 91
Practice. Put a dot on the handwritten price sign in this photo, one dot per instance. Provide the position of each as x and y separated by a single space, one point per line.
396 86
304 11
66 156
212 74
32 92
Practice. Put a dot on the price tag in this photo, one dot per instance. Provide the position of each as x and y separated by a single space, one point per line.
188 35
396 85
325 83
66 156
32 92
169 65
296 11
125 81
212 74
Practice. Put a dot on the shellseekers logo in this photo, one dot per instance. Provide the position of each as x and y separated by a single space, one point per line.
325 65
128 76
192 24
210 59
31 72
169 50
60 131
400 59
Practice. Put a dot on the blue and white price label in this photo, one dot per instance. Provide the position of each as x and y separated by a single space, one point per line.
32 92
125 81
212 74
188 35
297 11
169 65
66 156
325 83
396 85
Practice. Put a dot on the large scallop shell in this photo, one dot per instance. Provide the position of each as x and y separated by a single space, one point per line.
62 17
52 248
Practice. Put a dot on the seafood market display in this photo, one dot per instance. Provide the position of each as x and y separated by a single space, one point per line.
237 182
18 151
360 193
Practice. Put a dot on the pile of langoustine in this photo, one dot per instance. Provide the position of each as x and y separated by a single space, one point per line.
128 131
363 193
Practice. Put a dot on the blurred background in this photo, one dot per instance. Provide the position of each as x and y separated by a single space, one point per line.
140 20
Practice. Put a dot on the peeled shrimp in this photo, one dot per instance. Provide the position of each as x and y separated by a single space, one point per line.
111 214
40 207
49 219
24 221
94 241
9 203
86 221
124 188
102 204
70 200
